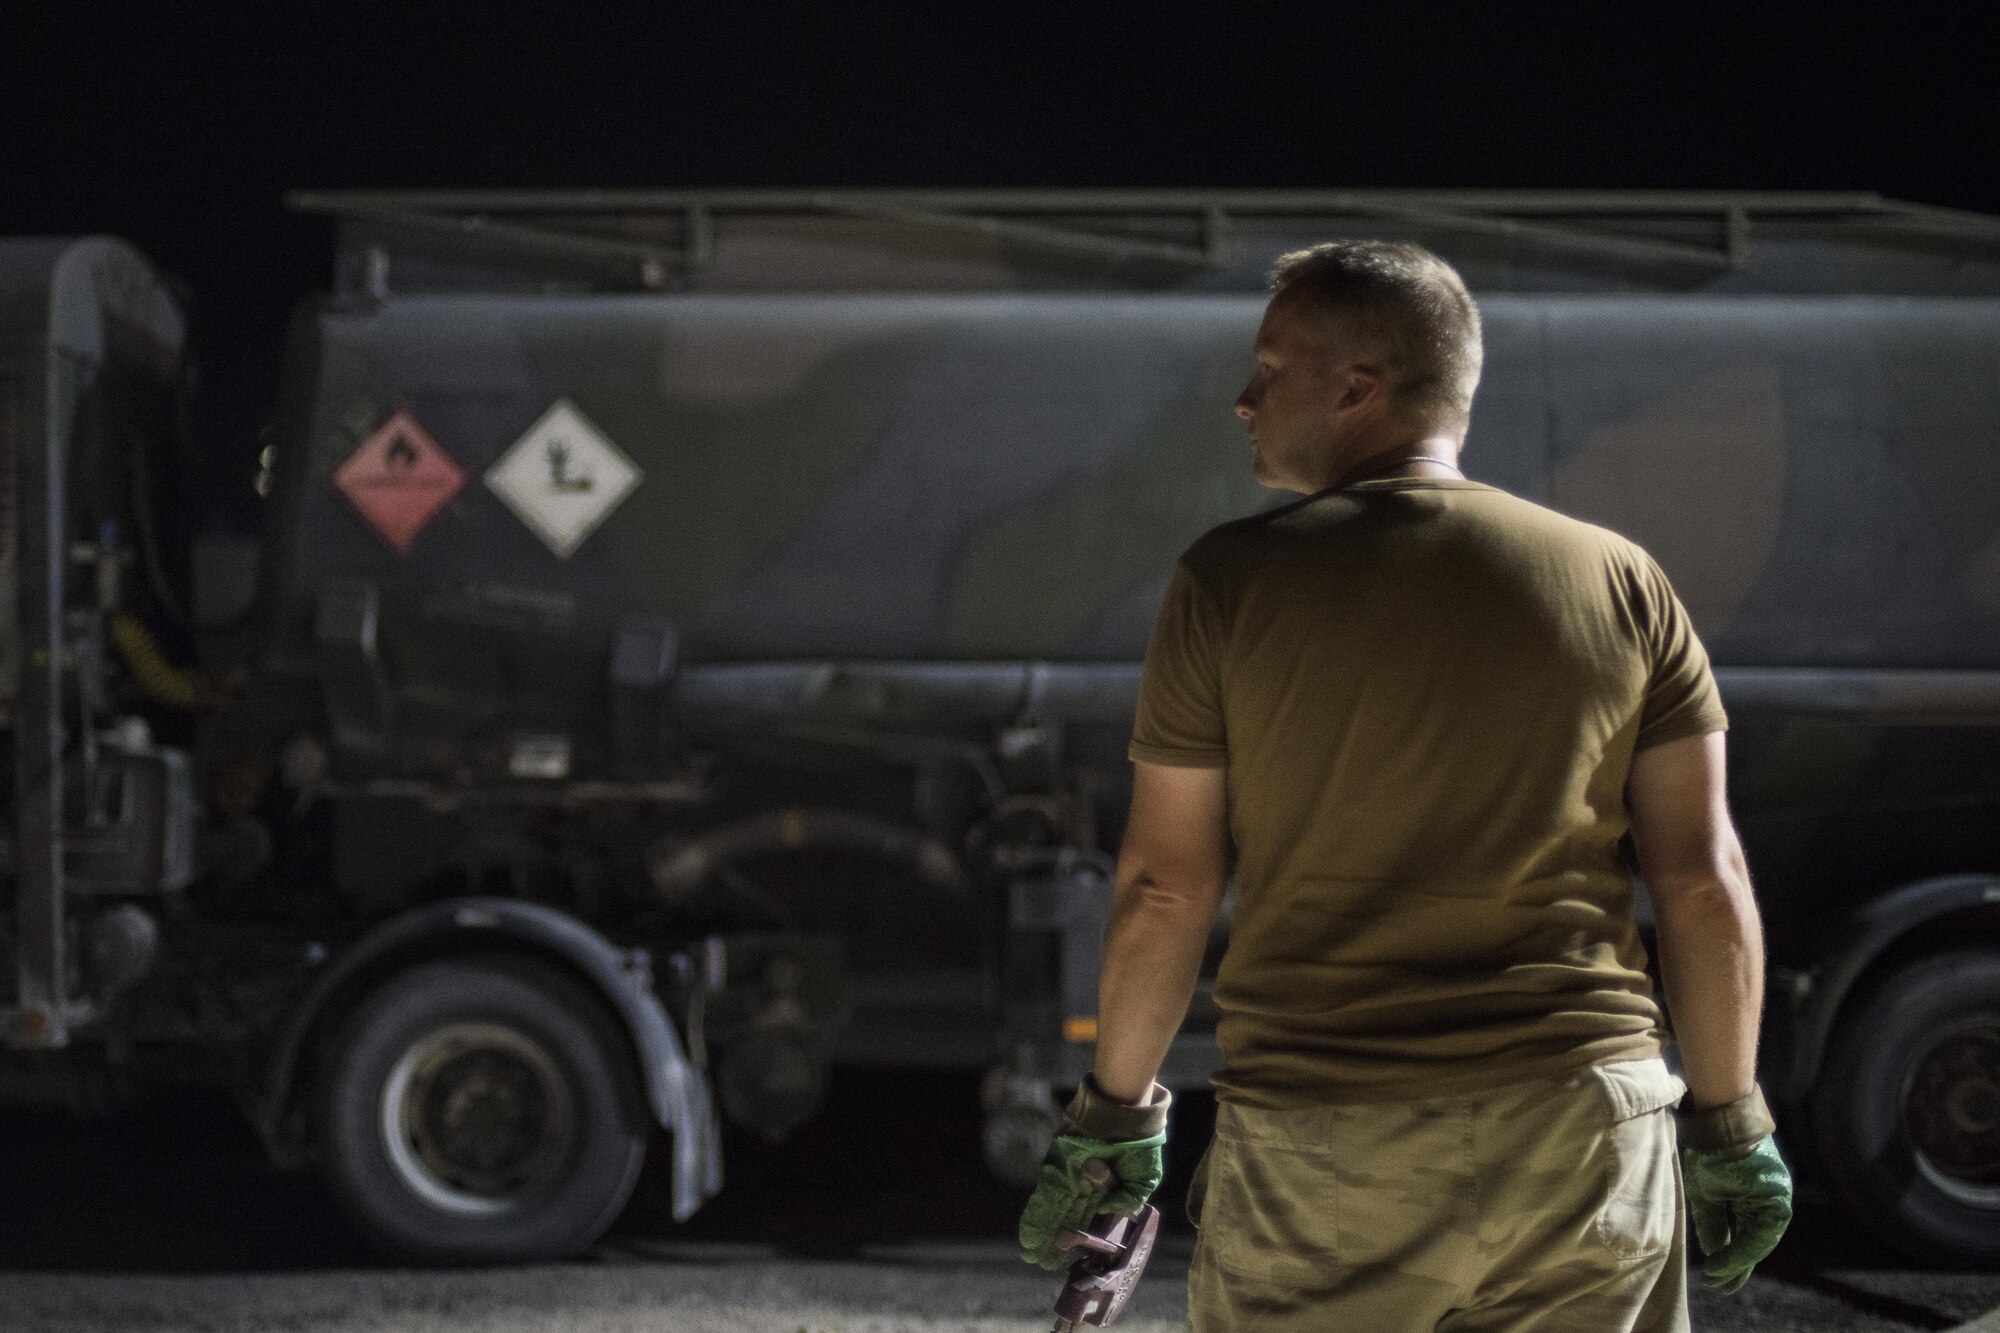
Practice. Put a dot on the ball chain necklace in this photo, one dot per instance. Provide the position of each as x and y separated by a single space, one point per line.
1367 473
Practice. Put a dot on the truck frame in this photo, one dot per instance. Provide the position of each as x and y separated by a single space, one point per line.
472 833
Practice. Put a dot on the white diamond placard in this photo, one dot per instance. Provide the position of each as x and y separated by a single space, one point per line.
563 477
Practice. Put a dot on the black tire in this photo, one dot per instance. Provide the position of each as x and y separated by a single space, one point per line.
1906 1110
520 1137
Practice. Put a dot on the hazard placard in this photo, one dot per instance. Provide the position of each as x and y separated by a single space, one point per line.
398 479
563 477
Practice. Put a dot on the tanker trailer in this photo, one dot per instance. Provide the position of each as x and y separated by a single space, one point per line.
703 629
899 479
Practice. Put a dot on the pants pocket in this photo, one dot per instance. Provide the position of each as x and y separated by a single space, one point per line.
1198 1187
1270 1211
1642 1209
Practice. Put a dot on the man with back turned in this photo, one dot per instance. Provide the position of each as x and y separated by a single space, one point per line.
1426 711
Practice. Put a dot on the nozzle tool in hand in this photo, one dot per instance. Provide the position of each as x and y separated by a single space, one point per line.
1116 1248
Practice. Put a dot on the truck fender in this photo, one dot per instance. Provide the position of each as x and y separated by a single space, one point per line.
1817 994
676 1091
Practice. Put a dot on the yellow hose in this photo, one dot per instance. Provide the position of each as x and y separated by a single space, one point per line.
160 679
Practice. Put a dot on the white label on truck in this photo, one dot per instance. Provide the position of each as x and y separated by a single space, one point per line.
563 477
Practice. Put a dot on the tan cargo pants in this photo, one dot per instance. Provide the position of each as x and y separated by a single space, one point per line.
1549 1206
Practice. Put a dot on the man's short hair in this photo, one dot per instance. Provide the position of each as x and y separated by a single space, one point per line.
1412 305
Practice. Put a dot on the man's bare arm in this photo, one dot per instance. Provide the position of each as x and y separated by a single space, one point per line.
1172 870
1711 943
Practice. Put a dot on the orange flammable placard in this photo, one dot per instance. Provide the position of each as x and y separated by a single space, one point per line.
398 479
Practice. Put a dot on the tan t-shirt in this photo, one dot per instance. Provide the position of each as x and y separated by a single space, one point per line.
1427 694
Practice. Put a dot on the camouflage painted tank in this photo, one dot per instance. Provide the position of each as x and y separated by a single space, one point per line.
1007 477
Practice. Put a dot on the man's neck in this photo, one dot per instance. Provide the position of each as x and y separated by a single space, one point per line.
1431 455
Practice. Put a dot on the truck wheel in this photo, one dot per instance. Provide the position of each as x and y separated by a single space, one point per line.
479 1111
1906 1110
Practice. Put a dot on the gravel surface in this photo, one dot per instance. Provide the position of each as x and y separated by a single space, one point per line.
636 1285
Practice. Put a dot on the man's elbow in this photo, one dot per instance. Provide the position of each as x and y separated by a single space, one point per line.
1719 878
1162 891
1723 891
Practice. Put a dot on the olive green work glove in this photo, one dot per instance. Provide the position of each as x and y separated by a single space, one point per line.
1739 1190
1127 1139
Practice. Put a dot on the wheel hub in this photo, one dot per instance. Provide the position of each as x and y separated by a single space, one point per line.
477 1116
1952 1108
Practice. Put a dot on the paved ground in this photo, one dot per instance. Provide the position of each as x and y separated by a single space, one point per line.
643 1285
164 1218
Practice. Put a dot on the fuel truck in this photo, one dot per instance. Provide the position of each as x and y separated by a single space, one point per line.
693 639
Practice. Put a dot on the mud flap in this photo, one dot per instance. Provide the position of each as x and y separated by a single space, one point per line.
683 1099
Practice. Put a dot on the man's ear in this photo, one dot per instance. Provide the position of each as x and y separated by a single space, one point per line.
1364 384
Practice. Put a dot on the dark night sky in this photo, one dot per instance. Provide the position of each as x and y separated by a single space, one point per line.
182 130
